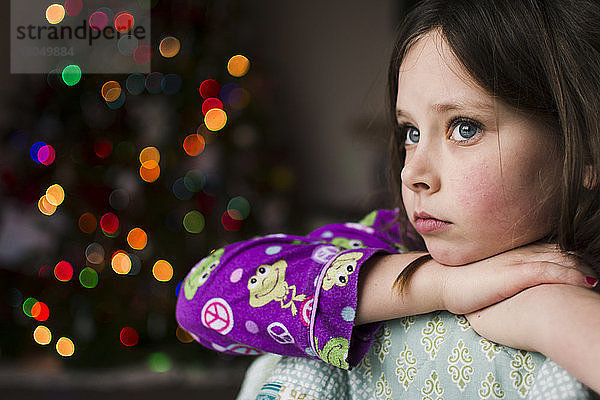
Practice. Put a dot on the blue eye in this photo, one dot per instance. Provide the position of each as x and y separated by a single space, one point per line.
465 131
411 134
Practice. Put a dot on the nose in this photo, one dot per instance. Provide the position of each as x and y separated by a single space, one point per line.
420 173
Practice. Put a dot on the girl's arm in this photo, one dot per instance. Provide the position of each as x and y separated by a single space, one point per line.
560 321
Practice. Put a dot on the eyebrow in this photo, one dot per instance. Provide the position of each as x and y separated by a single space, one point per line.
441 108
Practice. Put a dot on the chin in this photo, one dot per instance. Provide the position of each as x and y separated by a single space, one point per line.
452 257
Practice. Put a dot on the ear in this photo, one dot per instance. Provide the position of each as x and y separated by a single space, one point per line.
590 179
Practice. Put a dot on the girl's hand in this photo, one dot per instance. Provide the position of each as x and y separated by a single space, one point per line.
560 321
471 287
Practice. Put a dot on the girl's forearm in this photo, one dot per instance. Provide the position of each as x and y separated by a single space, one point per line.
379 300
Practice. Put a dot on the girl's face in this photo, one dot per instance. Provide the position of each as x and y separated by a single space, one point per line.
471 161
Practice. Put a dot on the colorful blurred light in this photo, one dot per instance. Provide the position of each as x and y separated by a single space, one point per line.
71 75
154 82
230 223
162 271
142 55
171 84
98 20
149 156
135 84
103 148
181 191
40 311
119 199
87 222
28 305
73 7
193 221
209 88
127 44
183 336
42 335
240 205
55 195
149 174
121 263
118 103
238 65
123 22
137 238
129 336
46 155
95 253
45 207
210 103
55 13
88 277
169 47
194 180
215 119
238 98
111 91
65 347
109 223
63 271
159 362
45 272
193 144
35 150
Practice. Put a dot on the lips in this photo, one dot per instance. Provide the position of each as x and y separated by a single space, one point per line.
426 223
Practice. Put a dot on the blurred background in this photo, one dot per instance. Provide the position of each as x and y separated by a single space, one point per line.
255 118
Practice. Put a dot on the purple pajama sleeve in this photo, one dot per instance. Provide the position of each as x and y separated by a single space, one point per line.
286 294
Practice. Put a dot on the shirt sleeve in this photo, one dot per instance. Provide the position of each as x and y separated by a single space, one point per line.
286 294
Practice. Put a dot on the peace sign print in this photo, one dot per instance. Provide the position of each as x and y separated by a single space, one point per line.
217 315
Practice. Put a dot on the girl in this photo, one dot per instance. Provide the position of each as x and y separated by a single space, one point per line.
495 156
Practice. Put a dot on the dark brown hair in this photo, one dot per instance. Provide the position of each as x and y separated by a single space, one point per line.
541 57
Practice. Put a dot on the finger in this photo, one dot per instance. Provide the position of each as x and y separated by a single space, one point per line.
541 272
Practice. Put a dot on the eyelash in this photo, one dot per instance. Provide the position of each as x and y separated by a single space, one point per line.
402 129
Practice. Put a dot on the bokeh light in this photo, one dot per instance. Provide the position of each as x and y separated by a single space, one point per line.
169 47
118 103
193 221
71 75
87 222
127 44
215 119
119 199
45 271
109 223
88 277
40 311
181 191
42 335
129 336
210 103
240 205
103 148
28 305
135 84
149 174
238 98
55 195
183 336
238 65
65 347
193 144
159 362
137 238
35 148
149 156
209 88
45 207
123 21
111 91
162 271
142 54
121 263
154 82
73 7
171 84
229 223
98 20
63 271
94 253
55 13
46 155
194 180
